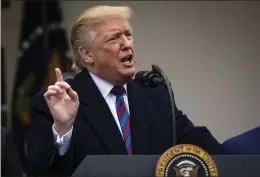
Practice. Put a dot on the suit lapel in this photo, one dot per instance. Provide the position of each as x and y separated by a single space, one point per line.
97 113
140 113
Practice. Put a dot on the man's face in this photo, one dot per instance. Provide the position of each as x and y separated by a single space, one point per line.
113 51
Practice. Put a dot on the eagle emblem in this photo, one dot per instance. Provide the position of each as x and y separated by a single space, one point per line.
186 168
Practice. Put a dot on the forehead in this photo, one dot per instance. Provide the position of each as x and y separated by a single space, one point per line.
111 25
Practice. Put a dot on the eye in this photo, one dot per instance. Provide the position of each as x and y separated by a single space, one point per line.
128 35
113 38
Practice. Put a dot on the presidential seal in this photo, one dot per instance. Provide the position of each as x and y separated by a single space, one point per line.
186 160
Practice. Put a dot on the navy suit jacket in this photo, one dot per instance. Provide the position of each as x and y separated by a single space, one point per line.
95 131
247 143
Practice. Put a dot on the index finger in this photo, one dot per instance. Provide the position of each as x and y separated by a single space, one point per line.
58 74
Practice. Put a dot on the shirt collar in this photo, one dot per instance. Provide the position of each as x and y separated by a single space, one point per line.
104 86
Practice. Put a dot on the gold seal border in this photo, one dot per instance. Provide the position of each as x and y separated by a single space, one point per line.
182 149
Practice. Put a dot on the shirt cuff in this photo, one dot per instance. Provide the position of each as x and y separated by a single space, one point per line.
65 139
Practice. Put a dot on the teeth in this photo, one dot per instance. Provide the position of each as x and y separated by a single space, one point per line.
127 59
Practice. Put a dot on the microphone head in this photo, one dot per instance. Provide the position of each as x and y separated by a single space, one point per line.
141 77
148 78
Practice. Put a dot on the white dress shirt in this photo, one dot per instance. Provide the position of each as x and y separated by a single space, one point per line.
105 88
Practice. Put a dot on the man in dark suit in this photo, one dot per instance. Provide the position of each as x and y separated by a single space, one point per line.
102 110
10 161
247 143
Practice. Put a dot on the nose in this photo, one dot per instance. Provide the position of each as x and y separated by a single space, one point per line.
126 43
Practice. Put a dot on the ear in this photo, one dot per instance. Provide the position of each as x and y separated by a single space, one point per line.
86 55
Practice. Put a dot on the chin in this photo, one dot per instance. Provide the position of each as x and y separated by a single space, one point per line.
126 76
130 72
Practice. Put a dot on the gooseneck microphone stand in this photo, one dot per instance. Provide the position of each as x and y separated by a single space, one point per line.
166 82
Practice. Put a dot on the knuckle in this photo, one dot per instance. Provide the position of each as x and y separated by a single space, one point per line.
61 84
56 87
58 82
66 84
46 94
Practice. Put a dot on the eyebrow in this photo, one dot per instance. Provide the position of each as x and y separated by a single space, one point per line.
110 34
114 32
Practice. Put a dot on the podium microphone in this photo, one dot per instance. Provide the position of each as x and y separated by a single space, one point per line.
153 79
149 78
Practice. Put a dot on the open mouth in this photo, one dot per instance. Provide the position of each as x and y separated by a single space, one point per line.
127 59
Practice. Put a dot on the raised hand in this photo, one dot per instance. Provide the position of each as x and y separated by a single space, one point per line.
63 103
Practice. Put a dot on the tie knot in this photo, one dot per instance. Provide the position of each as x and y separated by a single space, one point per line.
118 90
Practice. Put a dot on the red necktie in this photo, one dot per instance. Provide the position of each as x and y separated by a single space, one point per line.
123 116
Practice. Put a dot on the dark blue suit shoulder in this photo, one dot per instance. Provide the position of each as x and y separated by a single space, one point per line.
245 143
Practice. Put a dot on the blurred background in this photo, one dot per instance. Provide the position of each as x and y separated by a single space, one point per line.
210 51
